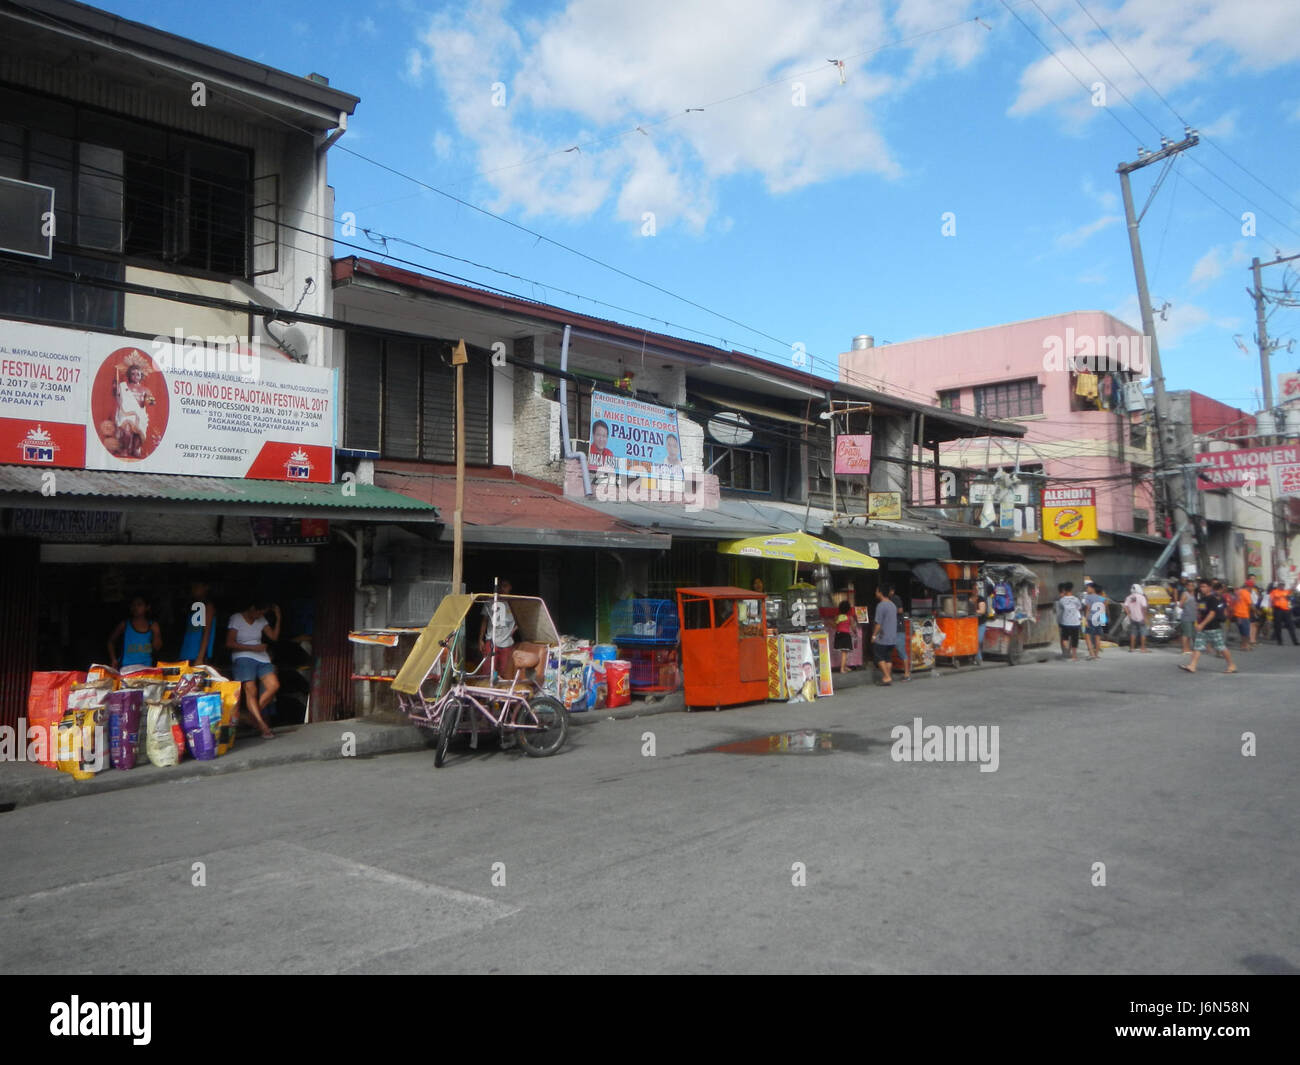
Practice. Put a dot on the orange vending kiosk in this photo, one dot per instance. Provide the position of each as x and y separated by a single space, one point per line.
724 646
955 617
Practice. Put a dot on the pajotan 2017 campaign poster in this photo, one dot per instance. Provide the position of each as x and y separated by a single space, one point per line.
79 400
634 438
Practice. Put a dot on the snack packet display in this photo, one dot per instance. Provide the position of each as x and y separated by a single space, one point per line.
159 743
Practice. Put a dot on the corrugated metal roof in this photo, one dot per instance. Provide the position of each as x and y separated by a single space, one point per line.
506 510
108 488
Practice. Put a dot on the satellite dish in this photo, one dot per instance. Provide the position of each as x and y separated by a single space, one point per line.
728 427
295 343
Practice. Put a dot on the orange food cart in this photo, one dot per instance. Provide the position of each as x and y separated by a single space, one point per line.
724 646
955 617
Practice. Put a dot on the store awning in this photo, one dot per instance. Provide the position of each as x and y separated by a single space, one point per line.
513 512
884 541
1025 549
30 486
732 519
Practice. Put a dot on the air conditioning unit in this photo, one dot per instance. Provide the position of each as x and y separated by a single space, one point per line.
413 602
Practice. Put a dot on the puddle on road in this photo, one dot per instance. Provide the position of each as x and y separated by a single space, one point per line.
801 741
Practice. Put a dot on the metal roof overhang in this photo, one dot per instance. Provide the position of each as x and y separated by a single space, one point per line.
49 30
905 544
1026 549
732 520
21 486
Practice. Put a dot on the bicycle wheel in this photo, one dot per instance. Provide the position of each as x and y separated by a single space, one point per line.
447 724
546 726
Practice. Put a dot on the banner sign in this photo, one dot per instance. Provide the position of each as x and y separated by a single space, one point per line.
1286 479
1242 466
1069 514
628 436
853 453
884 506
99 402
1288 387
68 526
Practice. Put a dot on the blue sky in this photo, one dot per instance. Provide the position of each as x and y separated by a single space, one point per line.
805 209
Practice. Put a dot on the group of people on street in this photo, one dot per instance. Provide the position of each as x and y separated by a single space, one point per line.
137 641
1204 610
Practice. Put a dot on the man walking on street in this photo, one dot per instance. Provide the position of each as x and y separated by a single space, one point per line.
884 634
1069 616
1211 614
1241 606
1282 613
904 651
1135 606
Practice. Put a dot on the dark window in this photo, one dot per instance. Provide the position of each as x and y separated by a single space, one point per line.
400 400
24 294
738 468
695 614
1014 399
950 399
127 188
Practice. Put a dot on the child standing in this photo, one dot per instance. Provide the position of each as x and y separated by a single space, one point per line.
1069 616
844 633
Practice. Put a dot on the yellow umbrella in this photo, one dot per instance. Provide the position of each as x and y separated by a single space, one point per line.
799 547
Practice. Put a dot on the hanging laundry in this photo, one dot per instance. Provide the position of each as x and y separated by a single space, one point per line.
1087 387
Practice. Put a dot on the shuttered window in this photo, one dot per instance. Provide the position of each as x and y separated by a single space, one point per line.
400 400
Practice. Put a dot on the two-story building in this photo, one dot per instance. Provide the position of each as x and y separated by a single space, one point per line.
168 390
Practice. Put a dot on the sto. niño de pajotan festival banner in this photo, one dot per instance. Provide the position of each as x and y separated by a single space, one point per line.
74 399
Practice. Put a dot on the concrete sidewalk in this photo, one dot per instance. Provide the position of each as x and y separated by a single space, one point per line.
26 784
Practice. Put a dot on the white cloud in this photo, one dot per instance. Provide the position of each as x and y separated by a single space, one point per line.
1223 127
1211 266
368 27
591 72
414 66
1172 44
1076 237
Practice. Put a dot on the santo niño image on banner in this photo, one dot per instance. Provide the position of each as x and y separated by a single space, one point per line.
634 438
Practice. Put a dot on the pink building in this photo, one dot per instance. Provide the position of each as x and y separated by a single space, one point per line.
1064 376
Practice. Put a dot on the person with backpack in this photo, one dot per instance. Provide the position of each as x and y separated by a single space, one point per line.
1097 621
1211 614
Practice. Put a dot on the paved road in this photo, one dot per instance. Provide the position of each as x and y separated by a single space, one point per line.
614 861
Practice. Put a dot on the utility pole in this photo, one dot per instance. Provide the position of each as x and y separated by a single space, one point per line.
459 357
1164 430
1261 326
1266 373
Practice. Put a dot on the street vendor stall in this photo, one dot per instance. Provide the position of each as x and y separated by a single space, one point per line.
955 618
1011 591
724 646
797 643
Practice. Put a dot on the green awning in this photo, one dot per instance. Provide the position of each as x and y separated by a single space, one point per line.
28 486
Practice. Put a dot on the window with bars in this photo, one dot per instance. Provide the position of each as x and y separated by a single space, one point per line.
950 399
1011 399
738 468
400 399
126 188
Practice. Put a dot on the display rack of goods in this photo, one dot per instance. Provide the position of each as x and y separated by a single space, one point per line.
647 622
645 632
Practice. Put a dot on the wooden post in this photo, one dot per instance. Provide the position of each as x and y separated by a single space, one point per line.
459 357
